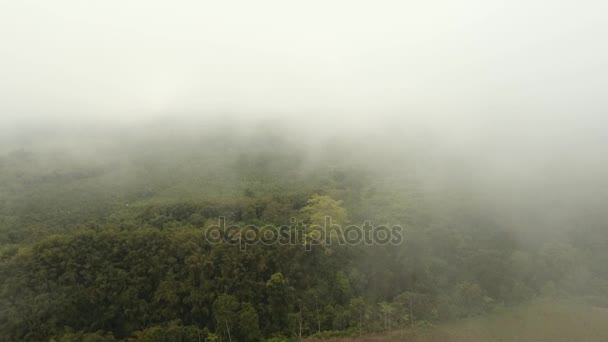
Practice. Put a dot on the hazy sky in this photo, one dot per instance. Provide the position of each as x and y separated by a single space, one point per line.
495 61
514 90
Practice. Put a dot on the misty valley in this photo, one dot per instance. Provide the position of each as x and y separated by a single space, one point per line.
105 237
303 171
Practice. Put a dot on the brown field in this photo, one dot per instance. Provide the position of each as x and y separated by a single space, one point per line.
538 322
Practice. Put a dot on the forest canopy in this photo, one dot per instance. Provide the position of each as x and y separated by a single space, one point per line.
112 246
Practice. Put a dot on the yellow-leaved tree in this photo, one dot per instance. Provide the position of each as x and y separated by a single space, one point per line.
325 217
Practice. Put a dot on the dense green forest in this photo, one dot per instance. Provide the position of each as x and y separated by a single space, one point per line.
103 236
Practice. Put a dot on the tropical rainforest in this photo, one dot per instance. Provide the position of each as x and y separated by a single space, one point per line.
310 171
103 235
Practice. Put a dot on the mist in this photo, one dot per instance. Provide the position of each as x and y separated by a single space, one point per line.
479 126
524 80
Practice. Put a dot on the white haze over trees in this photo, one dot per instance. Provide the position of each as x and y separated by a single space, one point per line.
514 89
482 125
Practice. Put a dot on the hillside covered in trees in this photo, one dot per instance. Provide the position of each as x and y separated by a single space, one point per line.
103 236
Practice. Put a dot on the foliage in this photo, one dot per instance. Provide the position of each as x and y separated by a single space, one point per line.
102 251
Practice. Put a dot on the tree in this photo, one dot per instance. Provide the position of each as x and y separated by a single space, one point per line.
387 310
343 288
279 300
249 323
359 311
414 305
225 309
325 217
321 206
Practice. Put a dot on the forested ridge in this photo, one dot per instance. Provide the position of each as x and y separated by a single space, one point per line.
107 242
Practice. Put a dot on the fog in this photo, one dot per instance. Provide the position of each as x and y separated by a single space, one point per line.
480 126
481 62
515 90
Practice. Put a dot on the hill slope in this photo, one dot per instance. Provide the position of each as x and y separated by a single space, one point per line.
536 322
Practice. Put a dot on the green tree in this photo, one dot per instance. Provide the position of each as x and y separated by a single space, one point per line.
249 323
225 309
359 312
279 301
326 218
321 206
387 310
